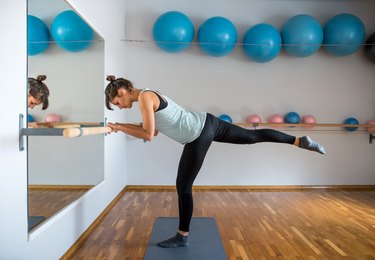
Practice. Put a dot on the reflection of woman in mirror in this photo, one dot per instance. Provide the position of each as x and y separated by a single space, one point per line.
195 130
37 94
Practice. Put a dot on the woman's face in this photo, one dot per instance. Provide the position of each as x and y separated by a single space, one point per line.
32 102
123 99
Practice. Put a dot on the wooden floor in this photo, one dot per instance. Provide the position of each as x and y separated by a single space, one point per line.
312 224
48 201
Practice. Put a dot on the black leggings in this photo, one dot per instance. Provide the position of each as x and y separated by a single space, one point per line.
194 153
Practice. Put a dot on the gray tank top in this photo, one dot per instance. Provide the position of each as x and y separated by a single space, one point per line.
177 122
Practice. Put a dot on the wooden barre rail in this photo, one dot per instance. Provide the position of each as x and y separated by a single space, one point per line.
84 131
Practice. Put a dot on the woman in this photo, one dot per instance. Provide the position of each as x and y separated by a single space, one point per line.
37 94
195 130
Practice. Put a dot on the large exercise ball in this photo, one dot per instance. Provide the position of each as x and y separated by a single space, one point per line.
351 121
70 32
302 35
262 43
38 36
217 36
173 31
369 49
343 34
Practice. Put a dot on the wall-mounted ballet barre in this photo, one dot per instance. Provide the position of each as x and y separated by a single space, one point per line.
66 129
367 127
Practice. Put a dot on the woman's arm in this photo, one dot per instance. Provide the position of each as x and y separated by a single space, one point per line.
146 131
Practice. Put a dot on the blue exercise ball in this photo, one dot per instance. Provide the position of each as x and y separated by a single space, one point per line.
38 36
173 31
344 34
225 118
70 32
302 35
262 43
369 49
292 118
351 121
30 118
217 36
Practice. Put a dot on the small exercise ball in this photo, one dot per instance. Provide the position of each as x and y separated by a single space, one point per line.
308 119
251 119
302 35
351 121
225 118
53 118
173 31
70 32
38 36
30 118
343 34
371 129
292 118
217 36
369 49
262 43
276 119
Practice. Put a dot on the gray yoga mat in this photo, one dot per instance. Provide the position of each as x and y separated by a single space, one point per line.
204 241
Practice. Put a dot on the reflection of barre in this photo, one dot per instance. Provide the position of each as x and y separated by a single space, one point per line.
66 126
75 132
79 123
76 124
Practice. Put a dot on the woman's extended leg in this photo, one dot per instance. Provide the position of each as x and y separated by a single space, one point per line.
230 133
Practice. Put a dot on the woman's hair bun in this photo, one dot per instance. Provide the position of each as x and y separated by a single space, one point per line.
41 78
111 78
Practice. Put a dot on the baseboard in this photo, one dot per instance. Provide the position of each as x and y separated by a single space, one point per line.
251 187
60 187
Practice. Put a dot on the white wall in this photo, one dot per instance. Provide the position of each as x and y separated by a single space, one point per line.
328 87
52 239
75 81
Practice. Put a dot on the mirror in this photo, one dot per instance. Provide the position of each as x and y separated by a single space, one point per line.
60 169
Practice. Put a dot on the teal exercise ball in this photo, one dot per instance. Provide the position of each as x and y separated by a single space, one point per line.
217 36
30 118
351 121
38 36
70 32
262 43
302 35
226 118
344 34
173 32
292 118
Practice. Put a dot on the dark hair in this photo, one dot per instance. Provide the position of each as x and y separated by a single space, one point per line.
111 91
38 90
